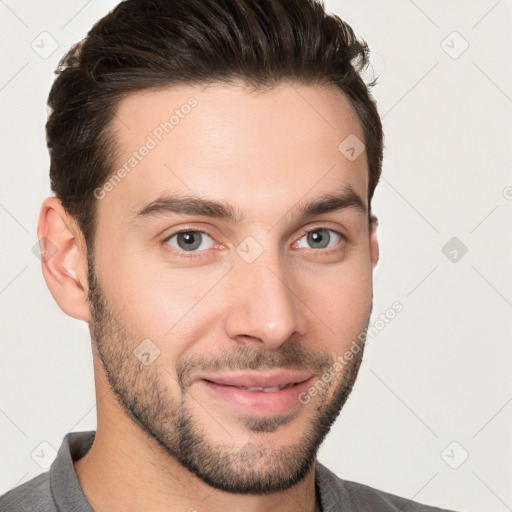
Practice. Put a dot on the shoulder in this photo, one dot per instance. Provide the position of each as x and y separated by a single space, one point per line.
32 496
373 498
342 494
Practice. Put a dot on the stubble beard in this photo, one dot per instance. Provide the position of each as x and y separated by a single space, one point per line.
256 467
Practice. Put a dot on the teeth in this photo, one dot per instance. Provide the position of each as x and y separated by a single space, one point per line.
267 390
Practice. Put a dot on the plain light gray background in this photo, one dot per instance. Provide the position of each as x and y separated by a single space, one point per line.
431 414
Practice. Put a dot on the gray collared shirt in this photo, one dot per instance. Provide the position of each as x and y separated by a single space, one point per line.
58 490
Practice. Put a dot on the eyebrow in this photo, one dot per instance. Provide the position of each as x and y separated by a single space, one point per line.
178 204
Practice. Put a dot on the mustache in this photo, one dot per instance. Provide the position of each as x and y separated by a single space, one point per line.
289 356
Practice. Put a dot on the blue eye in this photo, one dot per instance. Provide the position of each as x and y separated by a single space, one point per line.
320 238
189 241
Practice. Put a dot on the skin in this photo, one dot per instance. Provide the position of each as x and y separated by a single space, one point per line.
295 306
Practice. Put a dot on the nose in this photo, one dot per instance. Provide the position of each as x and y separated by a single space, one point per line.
264 309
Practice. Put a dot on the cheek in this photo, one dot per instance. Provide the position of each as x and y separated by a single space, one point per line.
341 298
163 304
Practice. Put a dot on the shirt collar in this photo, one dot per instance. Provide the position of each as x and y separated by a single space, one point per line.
67 493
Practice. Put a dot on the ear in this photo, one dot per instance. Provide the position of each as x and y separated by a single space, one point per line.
374 243
63 259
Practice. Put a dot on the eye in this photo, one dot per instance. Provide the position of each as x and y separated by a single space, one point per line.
321 238
189 241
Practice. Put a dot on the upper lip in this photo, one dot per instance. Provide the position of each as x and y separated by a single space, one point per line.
258 380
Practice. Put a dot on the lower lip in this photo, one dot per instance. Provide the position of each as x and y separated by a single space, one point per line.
259 403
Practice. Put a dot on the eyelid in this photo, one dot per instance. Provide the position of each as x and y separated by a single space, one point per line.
321 226
188 229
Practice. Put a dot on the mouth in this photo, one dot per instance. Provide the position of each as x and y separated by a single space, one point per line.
255 381
257 394
270 389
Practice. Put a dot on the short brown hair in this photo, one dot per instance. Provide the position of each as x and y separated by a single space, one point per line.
143 44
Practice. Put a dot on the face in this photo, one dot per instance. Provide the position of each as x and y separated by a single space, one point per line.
232 271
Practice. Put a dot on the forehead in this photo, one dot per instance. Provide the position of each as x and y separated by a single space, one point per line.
251 148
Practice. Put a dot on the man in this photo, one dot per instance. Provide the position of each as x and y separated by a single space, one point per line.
214 163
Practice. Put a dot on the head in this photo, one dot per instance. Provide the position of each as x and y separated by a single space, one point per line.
213 163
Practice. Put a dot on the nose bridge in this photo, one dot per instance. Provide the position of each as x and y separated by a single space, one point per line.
264 305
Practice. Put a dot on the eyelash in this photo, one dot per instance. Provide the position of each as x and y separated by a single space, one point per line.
198 254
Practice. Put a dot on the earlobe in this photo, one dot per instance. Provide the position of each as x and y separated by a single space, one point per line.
374 242
63 259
